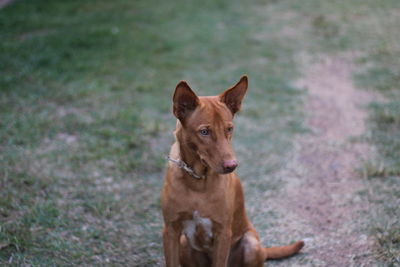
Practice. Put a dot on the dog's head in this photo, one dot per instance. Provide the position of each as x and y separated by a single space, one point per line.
207 123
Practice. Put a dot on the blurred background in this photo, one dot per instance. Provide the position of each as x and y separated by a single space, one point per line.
86 122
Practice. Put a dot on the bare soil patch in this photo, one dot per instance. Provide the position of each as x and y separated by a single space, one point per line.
322 197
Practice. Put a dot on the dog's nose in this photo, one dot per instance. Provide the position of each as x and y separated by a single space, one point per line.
229 165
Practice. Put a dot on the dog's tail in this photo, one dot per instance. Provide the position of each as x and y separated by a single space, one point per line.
283 251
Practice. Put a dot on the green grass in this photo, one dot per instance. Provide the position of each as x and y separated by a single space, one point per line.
85 121
85 118
381 72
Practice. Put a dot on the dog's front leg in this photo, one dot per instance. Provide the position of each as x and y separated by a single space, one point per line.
222 248
171 237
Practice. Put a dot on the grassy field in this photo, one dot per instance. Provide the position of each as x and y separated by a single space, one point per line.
85 121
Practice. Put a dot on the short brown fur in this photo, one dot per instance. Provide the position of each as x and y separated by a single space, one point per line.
203 141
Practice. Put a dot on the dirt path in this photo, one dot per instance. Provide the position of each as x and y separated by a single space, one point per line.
321 199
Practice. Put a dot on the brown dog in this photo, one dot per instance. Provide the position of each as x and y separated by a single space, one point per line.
203 205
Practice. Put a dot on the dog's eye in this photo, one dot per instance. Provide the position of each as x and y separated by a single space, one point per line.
204 132
230 129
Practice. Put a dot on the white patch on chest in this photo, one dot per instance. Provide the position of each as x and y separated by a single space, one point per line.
190 229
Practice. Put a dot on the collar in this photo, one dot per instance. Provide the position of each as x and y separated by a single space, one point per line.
181 164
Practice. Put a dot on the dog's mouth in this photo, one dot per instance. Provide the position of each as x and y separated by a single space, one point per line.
226 171
209 166
218 168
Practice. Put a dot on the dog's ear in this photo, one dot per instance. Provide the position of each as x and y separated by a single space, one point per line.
233 96
185 101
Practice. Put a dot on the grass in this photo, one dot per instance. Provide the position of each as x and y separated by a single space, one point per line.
381 72
85 119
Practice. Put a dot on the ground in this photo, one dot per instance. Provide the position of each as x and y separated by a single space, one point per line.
86 122
322 183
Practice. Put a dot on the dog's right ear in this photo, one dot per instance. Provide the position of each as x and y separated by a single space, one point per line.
185 101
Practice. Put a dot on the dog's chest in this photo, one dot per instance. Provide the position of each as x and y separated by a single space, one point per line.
198 232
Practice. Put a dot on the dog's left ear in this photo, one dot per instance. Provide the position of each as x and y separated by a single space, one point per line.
233 96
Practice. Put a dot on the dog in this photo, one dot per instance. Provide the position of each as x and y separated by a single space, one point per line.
202 200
